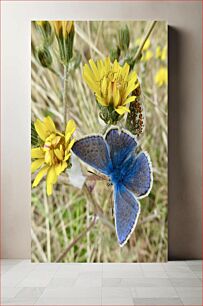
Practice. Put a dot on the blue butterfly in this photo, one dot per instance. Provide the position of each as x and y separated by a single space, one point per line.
131 174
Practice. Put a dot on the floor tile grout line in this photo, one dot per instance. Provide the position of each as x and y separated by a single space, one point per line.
179 296
102 283
47 285
16 286
192 272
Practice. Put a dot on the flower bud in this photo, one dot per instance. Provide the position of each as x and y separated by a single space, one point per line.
115 54
124 38
45 29
44 57
64 32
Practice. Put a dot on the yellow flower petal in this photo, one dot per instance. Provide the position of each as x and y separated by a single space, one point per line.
104 86
57 26
90 83
67 156
36 164
48 156
89 78
132 77
59 133
67 137
50 138
116 96
69 26
125 70
56 140
129 99
70 129
49 189
51 176
37 153
40 129
100 65
94 69
129 89
109 94
61 167
101 100
50 126
40 175
71 126
121 110
58 154
71 144
115 66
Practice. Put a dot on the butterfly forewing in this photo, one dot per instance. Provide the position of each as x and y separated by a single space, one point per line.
93 151
120 144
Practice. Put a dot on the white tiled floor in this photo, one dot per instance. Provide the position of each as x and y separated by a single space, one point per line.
172 283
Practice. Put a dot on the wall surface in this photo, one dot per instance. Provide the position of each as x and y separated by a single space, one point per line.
184 19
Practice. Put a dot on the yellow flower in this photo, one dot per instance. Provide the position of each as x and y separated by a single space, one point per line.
146 45
147 56
53 156
164 53
161 77
65 27
158 52
111 83
161 53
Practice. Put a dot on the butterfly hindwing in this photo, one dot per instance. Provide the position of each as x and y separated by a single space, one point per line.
138 178
93 151
120 144
126 212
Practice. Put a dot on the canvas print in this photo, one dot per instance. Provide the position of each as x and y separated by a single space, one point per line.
99 141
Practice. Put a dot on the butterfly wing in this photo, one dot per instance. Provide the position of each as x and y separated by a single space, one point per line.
126 211
93 151
138 176
120 144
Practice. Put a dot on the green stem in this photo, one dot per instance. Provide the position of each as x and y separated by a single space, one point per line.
65 89
139 51
55 72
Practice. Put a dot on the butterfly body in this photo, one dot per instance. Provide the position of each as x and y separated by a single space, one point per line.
119 171
130 173
116 176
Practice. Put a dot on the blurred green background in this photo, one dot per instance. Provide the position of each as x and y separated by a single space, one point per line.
59 219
